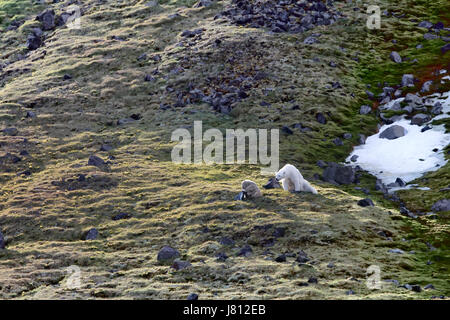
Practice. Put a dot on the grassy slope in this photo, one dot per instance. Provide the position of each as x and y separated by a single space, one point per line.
44 216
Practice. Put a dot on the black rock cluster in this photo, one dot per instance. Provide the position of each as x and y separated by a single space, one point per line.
282 15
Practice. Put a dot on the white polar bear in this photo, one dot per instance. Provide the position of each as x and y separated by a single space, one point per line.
293 180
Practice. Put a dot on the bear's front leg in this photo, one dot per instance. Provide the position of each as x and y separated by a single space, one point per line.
286 185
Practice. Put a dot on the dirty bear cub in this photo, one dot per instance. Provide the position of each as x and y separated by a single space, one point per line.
293 180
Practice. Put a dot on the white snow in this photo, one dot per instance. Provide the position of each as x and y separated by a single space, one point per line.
389 159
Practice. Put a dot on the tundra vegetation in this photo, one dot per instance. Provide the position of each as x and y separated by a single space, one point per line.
87 179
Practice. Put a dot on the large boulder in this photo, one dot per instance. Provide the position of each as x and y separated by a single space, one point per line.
393 132
441 205
47 18
339 174
420 119
167 255
413 98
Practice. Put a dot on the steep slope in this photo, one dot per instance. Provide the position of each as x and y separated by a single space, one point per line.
129 77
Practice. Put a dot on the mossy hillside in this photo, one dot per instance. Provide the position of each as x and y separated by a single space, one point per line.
45 215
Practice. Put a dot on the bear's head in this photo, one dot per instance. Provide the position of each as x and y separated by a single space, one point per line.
280 175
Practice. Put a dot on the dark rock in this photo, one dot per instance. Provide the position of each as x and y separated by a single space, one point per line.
245 251
365 109
302 257
321 164
425 24
279 232
437 108
105 147
180 265
321 118
241 196
330 265
193 33
430 36
10 131
429 287
313 280
336 173
47 18
349 292
420 119
226 241
441 205
281 258
67 77
395 57
121 216
30 114
407 80
365 202
400 182
361 139
416 288
393 132
92 234
167 254
338 142
192 296
2 241
426 128
347 136
97 162
370 95
272 184
286 130
354 158
33 42
221 256
426 86
445 48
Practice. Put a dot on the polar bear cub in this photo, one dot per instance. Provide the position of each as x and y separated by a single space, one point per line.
293 180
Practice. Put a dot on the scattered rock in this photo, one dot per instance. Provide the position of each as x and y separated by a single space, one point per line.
180 265
47 18
221 256
347 136
420 119
92 234
245 251
302 257
338 142
321 118
336 173
437 108
121 216
441 205
281 258
354 158
430 36
97 162
2 241
192 296
393 132
225 241
426 86
167 254
429 287
407 80
272 184
399 251
416 288
365 109
395 57
10 131
365 202
313 280
425 24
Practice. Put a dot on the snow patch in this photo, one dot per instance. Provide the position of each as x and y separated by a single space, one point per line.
407 157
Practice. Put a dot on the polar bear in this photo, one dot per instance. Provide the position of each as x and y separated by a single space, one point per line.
293 180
